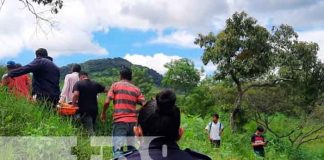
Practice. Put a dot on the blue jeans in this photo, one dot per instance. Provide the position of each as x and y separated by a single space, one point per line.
123 134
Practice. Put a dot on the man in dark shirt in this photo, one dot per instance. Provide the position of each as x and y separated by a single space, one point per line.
85 97
258 142
46 77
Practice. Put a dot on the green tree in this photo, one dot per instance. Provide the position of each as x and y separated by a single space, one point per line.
181 75
299 97
142 79
241 53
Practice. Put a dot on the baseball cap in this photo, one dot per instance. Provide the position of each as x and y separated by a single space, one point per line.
11 64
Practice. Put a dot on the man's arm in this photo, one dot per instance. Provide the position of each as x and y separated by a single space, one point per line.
109 97
76 94
221 131
31 67
65 90
75 98
141 99
103 116
256 143
207 129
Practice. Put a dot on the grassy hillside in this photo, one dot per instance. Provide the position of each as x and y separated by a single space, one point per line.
109 67
23 118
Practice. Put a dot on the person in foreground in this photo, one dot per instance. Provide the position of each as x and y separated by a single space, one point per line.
85 94
161 118
258 142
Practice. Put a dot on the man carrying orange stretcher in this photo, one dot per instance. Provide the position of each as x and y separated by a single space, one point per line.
85 94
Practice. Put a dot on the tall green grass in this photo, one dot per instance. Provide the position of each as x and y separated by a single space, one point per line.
19 117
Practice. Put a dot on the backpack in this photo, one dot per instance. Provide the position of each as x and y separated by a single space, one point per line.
210 125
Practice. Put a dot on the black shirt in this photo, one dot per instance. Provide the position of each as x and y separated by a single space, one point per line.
88 90
155 152
46 76
255 138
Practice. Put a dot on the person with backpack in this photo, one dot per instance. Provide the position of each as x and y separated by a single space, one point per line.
215 130
258 142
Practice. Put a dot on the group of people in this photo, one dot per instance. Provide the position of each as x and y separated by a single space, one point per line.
159 117
45 81
215 131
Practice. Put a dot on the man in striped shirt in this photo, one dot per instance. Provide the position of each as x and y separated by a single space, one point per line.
125 97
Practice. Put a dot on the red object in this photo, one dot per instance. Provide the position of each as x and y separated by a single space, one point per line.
65 109
125 96
19 86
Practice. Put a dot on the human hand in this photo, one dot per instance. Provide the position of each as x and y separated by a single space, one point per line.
103 117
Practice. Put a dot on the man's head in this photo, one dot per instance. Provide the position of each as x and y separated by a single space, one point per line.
260 130
41 52
83 75
125 73
215 117
11 65
76 68
160 117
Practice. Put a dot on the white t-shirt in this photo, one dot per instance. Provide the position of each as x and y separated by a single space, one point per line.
215 130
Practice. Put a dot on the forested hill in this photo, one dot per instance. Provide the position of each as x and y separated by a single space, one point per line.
107 66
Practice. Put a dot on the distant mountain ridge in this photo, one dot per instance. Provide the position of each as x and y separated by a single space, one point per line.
100 65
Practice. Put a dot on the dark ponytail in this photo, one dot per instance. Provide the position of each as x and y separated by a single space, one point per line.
165 101
161 117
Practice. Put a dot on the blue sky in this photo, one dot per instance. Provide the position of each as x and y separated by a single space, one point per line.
119 42
149 33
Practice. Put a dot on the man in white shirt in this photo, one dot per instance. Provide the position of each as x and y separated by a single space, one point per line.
214 130
69 82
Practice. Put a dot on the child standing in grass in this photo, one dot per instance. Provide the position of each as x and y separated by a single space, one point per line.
258 142
215 130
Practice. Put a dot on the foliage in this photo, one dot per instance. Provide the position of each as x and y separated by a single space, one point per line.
208 97
241 53
2 70
55 4
23 118
19 117
106 68
267 105
142 79
181 75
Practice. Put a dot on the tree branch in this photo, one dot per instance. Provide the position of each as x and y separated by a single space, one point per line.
267 84
2 3
309 140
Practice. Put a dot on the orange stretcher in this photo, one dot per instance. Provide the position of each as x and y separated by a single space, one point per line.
66 109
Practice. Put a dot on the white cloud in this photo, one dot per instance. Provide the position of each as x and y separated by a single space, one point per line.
155 61
314 36
179 38
80 19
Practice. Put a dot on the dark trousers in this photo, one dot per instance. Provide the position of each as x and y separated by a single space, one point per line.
259 153
49 100
88 123
123 133
215 143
